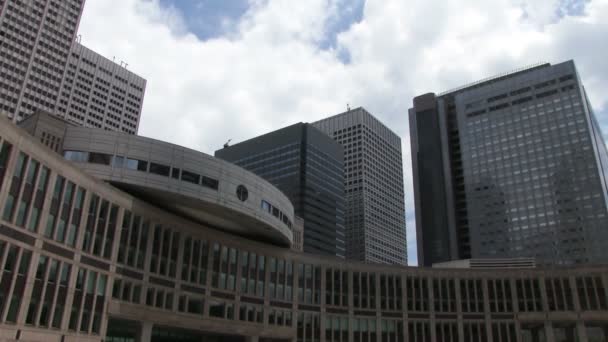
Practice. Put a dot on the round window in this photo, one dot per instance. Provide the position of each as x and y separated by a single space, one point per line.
242 193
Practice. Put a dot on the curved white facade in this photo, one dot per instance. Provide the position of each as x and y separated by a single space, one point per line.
184 181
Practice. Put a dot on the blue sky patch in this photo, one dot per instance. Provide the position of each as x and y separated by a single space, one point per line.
209 19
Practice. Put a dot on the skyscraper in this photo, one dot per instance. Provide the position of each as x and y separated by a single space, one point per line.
99 93
308 167
42 67
36 40
512 166
373 177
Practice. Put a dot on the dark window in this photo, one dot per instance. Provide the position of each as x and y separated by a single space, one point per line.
100 158
275 212
210 183
522 100
175 173
521 91
191 177
159 169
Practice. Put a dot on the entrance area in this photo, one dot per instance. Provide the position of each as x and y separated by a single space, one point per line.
131 331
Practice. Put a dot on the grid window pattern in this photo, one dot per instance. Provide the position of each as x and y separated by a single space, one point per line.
497 305
133 240
373 180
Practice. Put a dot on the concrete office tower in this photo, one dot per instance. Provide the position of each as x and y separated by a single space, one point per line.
99 93
43 68
512 166
36 41
373 175
307 166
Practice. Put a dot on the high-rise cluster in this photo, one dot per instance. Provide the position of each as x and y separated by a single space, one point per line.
297 234
43 68
344 175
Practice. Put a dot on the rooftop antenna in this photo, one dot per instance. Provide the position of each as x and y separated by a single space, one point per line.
227 144
347 107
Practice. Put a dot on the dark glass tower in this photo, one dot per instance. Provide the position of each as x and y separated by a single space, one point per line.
512 166
308 167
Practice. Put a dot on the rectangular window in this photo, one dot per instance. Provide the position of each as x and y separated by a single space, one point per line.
190 177
118 161
266 206
159 169
210 183
135 164
76 156
5 153
175 173
99 158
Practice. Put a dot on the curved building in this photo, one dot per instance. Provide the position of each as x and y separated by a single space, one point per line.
101 248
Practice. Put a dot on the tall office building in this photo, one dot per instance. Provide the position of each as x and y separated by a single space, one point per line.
99 93
36 40
307 166
373 177
512 166
43 68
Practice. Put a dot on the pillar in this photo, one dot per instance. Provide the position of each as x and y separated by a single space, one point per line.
145 332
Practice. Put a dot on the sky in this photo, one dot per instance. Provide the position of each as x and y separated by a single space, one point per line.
235 69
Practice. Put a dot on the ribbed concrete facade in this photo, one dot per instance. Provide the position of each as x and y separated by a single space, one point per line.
82 260
98 92
42 67
373 178
36 41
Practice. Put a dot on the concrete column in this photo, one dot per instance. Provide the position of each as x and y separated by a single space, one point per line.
549 331
459 309
581 331
486 309
431 304
145 332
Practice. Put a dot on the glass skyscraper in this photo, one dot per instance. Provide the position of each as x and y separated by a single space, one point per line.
512 166
307 166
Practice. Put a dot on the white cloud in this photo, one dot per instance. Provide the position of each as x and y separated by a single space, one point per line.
270 73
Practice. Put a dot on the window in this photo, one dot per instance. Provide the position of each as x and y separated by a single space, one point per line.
190 177
159 169
135 164
175 173
100 158
76 156
275 212
210 183
118 161
266 206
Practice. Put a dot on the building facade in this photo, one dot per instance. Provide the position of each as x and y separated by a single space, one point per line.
373 178
43 68
37 38
307 166
99 93
89 253
513 166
